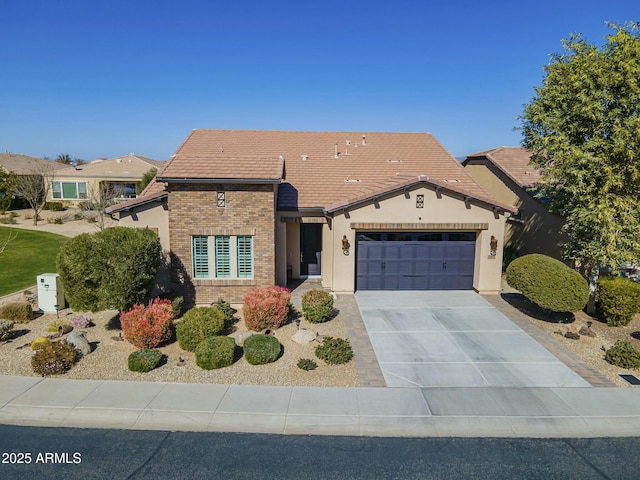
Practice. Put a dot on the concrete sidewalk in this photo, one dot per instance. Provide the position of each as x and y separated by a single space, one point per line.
406 412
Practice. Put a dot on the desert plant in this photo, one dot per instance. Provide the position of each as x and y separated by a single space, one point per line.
53 206
623 355
215 352
228 311
54 358
317 305
39 343
80 321
548 283
56 324
618 299
198 324
19 312
307 364
334 351
8 220
113 268
5 330
148 327
57 221
144 360
266 308
261 349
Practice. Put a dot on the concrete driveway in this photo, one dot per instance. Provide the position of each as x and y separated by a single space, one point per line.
455 339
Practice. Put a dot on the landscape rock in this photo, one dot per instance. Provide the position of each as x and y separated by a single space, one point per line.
241 337
304 336
80 342
587 332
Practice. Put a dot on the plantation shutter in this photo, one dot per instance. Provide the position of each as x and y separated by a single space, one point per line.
245 257
223 257
200 256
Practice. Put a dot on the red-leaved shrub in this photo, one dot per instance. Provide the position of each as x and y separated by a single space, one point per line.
266 307
148 327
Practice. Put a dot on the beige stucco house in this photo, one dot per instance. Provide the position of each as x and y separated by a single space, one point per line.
118 177
360 211
506 173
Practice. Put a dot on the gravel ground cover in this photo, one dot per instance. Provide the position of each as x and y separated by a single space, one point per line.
108 360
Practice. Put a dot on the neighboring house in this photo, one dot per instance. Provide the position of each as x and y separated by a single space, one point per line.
374 211
117 177
505 172
26 165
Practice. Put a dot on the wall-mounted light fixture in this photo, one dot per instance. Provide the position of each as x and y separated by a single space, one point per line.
493 246
345 245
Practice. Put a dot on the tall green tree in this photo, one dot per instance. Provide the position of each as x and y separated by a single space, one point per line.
583 130
146 180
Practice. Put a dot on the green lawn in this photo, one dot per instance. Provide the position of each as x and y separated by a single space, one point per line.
29 254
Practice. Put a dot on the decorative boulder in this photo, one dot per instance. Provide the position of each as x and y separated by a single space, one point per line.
80 342
241 337
304 336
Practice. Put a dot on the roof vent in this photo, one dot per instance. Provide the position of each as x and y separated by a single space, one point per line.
364 139
394 161
452 180
305 157
352 180
118 160
423 178
337 154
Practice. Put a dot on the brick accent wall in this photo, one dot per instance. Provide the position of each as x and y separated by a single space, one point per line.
193 210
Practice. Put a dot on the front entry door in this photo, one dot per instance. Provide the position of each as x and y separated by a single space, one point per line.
310 244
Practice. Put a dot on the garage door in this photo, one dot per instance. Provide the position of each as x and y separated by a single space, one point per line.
415 261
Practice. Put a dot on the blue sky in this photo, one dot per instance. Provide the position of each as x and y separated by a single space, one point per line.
106 78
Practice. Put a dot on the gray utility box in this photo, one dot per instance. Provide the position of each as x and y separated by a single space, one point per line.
50 293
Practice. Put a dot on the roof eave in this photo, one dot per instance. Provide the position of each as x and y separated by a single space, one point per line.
250 181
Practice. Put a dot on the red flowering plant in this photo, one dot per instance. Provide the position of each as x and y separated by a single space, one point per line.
266 308
148 327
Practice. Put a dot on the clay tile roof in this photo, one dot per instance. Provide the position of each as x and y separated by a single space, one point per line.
513 161
127 167
25 165
321 168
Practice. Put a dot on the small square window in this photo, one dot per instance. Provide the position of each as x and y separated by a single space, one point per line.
419 201
221 200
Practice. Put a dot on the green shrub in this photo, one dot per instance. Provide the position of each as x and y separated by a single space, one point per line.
54 358
215 352
618 299
114 268
57 221
144 360
334 351
317 305
54 206
261 349
548 283
177 301
8 220
623 355
198 324
19 312
5 330
228 311
307 364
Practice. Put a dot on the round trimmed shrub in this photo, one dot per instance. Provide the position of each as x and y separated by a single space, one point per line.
148 327
261 349
198 324
307 364
144 360
265 308
623 354
54 358
618 299
317 305
548 283
334 351
215 352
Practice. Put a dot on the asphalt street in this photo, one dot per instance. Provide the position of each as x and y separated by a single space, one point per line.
64 453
